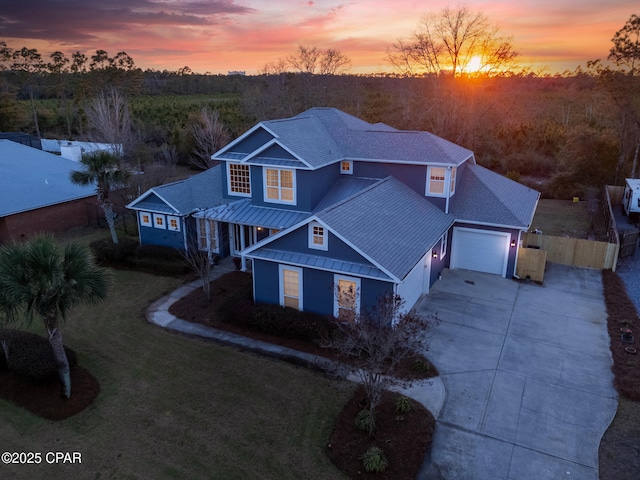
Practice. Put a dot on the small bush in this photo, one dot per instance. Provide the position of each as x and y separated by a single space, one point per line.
364 420
160 265
158 252
423 366
106 251
403 405
374 460
31 356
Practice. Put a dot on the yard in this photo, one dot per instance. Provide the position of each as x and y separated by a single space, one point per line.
177 407
565 218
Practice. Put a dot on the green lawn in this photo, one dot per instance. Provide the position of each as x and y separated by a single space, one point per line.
177 407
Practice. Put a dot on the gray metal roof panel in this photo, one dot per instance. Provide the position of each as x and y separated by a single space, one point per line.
31 179
241 211
390 223
487 197
315 261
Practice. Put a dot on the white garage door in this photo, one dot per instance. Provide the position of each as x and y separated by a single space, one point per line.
480 250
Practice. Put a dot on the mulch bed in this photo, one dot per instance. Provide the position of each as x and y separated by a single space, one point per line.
404 438
45 399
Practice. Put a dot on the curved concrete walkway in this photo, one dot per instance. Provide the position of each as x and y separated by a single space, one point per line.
527 374
429 393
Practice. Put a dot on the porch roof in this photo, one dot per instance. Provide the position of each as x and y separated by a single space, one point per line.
318 262
242 212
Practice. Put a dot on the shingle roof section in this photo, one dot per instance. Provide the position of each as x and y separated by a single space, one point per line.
484 196
185 196
344 188
241 211
322 136
31 179
389 223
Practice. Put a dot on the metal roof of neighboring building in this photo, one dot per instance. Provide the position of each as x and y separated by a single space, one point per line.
31 179
483 196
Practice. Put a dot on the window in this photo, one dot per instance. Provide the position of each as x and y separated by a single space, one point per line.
291 287
173 223
239 179
158 221
207 235
145 219
279 185
347 298
317 236
346 167
453 181
443 245
436 180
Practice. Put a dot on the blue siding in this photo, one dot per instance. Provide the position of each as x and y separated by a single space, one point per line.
317 294
440 263
158 236
298 241
413 176
152 203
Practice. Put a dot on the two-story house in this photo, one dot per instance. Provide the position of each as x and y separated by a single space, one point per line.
331 211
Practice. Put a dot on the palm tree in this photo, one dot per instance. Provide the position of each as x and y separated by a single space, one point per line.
40 279
102 168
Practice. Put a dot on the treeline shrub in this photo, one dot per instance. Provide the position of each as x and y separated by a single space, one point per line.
31 356
128 253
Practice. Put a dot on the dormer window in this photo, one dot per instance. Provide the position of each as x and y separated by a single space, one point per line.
436 179
239 179
317 236
279 185
346 167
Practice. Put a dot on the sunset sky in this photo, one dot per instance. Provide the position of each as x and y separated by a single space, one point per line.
221 35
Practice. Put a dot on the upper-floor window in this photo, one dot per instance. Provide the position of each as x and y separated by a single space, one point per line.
436 180
279 185
239 179
346 167
317 236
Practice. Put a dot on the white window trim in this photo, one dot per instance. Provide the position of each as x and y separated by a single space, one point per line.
281 269
208 222
428 191
164 221
346 172
453 179
231 192
325 237
293 182
336 279
146 224
443 244
177 219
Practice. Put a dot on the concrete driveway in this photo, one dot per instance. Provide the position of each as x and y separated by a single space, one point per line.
527 376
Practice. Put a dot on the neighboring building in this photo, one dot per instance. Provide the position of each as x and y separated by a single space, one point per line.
332 211
37 195
74 150
23 138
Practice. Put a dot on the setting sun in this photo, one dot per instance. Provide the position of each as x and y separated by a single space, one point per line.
474 65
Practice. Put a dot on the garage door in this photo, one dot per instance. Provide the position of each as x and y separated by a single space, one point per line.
480 250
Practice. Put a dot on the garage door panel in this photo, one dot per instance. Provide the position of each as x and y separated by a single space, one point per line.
480 250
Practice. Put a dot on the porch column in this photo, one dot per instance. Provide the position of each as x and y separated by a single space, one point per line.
242 247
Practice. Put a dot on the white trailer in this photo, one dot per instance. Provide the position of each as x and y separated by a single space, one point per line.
631 197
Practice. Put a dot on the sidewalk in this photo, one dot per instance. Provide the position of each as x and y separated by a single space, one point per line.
430 393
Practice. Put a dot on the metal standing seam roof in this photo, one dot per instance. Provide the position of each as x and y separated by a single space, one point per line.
483 196
32 179
321 136
389 223
241 211
184 196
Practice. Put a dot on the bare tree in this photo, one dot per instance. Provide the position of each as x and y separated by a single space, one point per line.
626 46
314 60
6 54
109 121
376 342
333 62
209 134
200 262
448 41
29 63
305 60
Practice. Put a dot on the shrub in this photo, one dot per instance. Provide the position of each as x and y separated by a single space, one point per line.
160 265
364 420
158 252
403 405
423 366
374 460
107 251
31 356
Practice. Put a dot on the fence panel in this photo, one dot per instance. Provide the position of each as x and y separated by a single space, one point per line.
531 263
575 251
